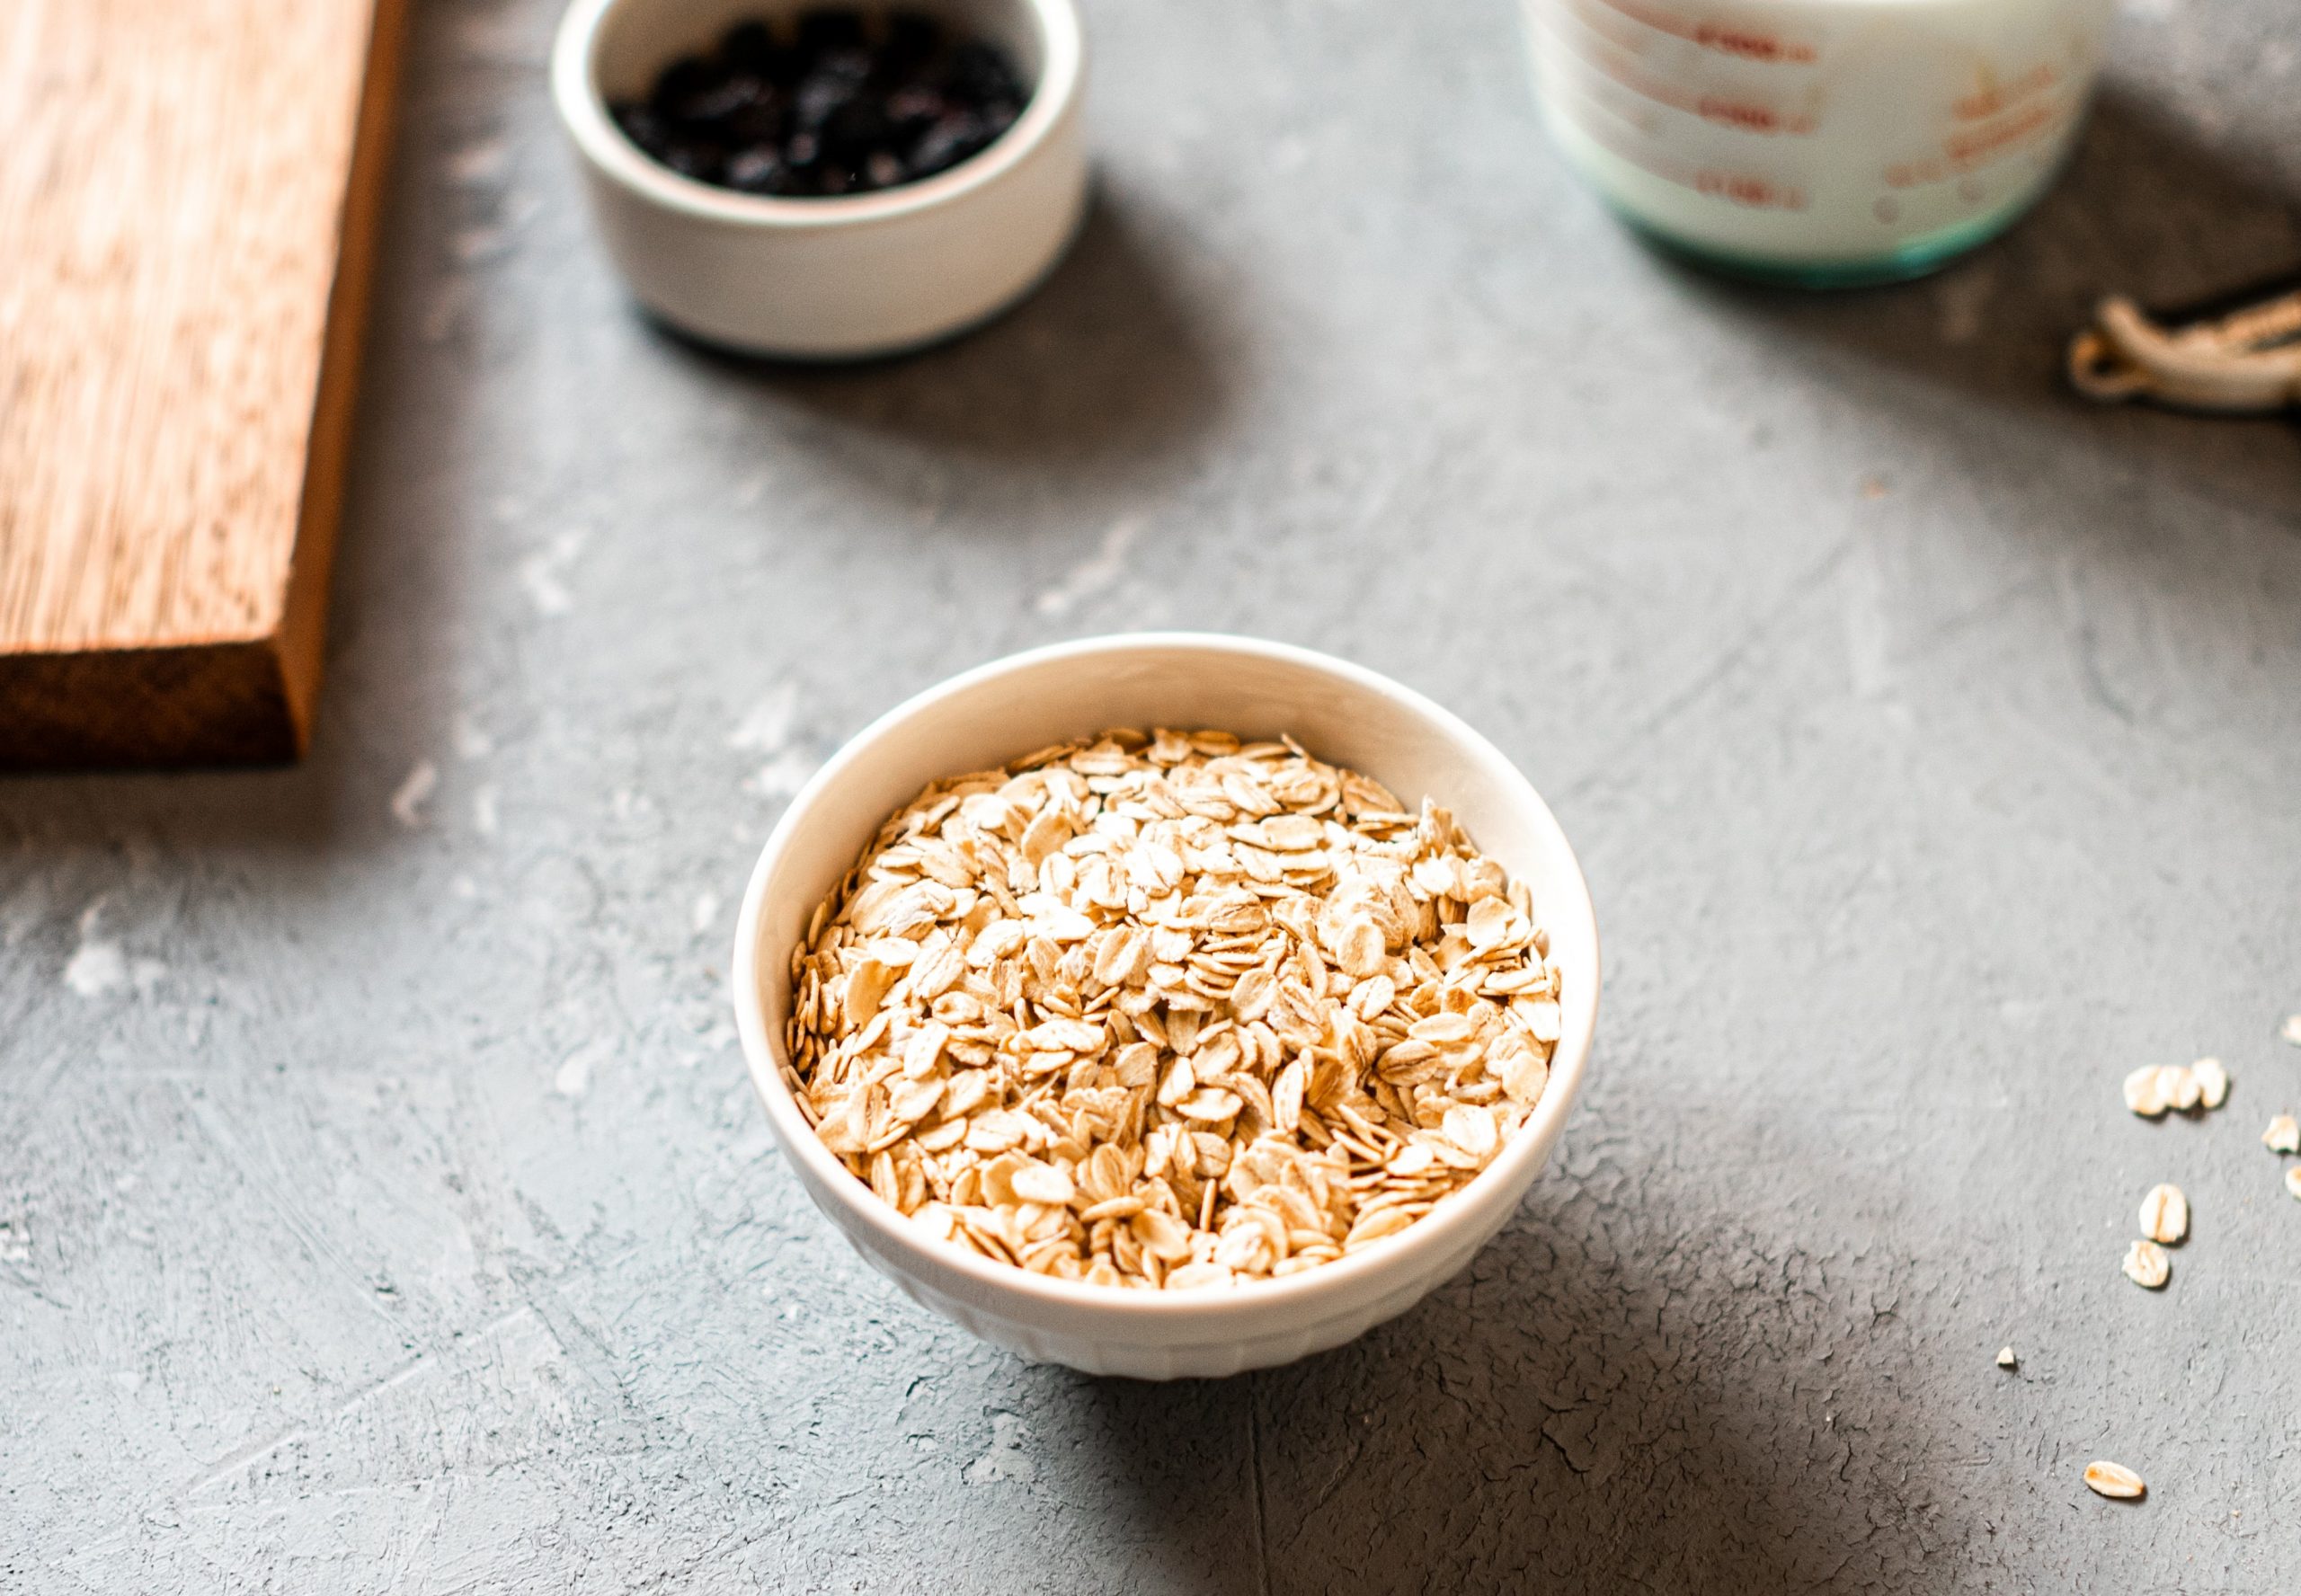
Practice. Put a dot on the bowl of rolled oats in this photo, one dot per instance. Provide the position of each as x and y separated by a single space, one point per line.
1168 1005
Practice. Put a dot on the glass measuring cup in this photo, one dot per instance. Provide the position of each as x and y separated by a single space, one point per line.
1825 143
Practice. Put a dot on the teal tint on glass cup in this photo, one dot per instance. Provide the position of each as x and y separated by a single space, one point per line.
1820 143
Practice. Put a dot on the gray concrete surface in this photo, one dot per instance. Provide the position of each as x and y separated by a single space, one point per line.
382 1203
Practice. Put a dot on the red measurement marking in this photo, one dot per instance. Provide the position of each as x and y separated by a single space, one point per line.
1731 39
1749 44
1604 57
1740 188
1985 144
1988 103
1744 188
1750 118
1977 147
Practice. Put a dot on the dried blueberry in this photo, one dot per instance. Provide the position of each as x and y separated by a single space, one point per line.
693 158
847 102
913 108
759 171
751 47
644 127
947 143
828 28
684 81
855 129
980 73
912 38
836 82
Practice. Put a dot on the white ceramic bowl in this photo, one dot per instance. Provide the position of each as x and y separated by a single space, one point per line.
828 279
1340 713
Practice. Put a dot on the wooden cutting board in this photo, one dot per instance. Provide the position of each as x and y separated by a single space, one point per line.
188 199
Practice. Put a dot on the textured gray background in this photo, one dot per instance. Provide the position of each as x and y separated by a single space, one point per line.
382 1202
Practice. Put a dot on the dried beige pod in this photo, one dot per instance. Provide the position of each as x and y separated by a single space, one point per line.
2114 1480
2293 1180
2165 1214
2212 1082
2006 1360
2147 1265
2283 1135
2145 1091
2292 1030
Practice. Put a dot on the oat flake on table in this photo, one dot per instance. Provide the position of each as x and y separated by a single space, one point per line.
2147 1267
1170 1011
2165 1214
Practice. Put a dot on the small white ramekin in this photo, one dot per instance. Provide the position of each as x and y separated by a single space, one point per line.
830 279
997 711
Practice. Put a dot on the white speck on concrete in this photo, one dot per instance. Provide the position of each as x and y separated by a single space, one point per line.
487 242
707 912
413 791
782 776
96 970
573 1078
492 240
1006 1461
543 573
486 820
766 728
472 739
1108 564
482 161
465 887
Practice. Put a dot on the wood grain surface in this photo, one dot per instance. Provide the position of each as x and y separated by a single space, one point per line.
188 191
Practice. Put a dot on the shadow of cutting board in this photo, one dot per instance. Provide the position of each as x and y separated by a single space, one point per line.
188 199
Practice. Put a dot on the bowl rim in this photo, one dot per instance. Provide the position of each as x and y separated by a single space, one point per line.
583 113
1335 1285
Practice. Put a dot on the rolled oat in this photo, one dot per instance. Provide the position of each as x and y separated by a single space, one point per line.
1170 1010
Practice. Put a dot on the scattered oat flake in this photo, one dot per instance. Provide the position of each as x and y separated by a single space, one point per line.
2212 1081
2113 1480
1170 1010
2292 1030
2165 1214
2147 1265
2005 1358
2183 1091
2283 1135
2293 1180
2145 1091
414 792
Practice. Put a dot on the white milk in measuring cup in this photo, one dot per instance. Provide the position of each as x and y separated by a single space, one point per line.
1817 141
